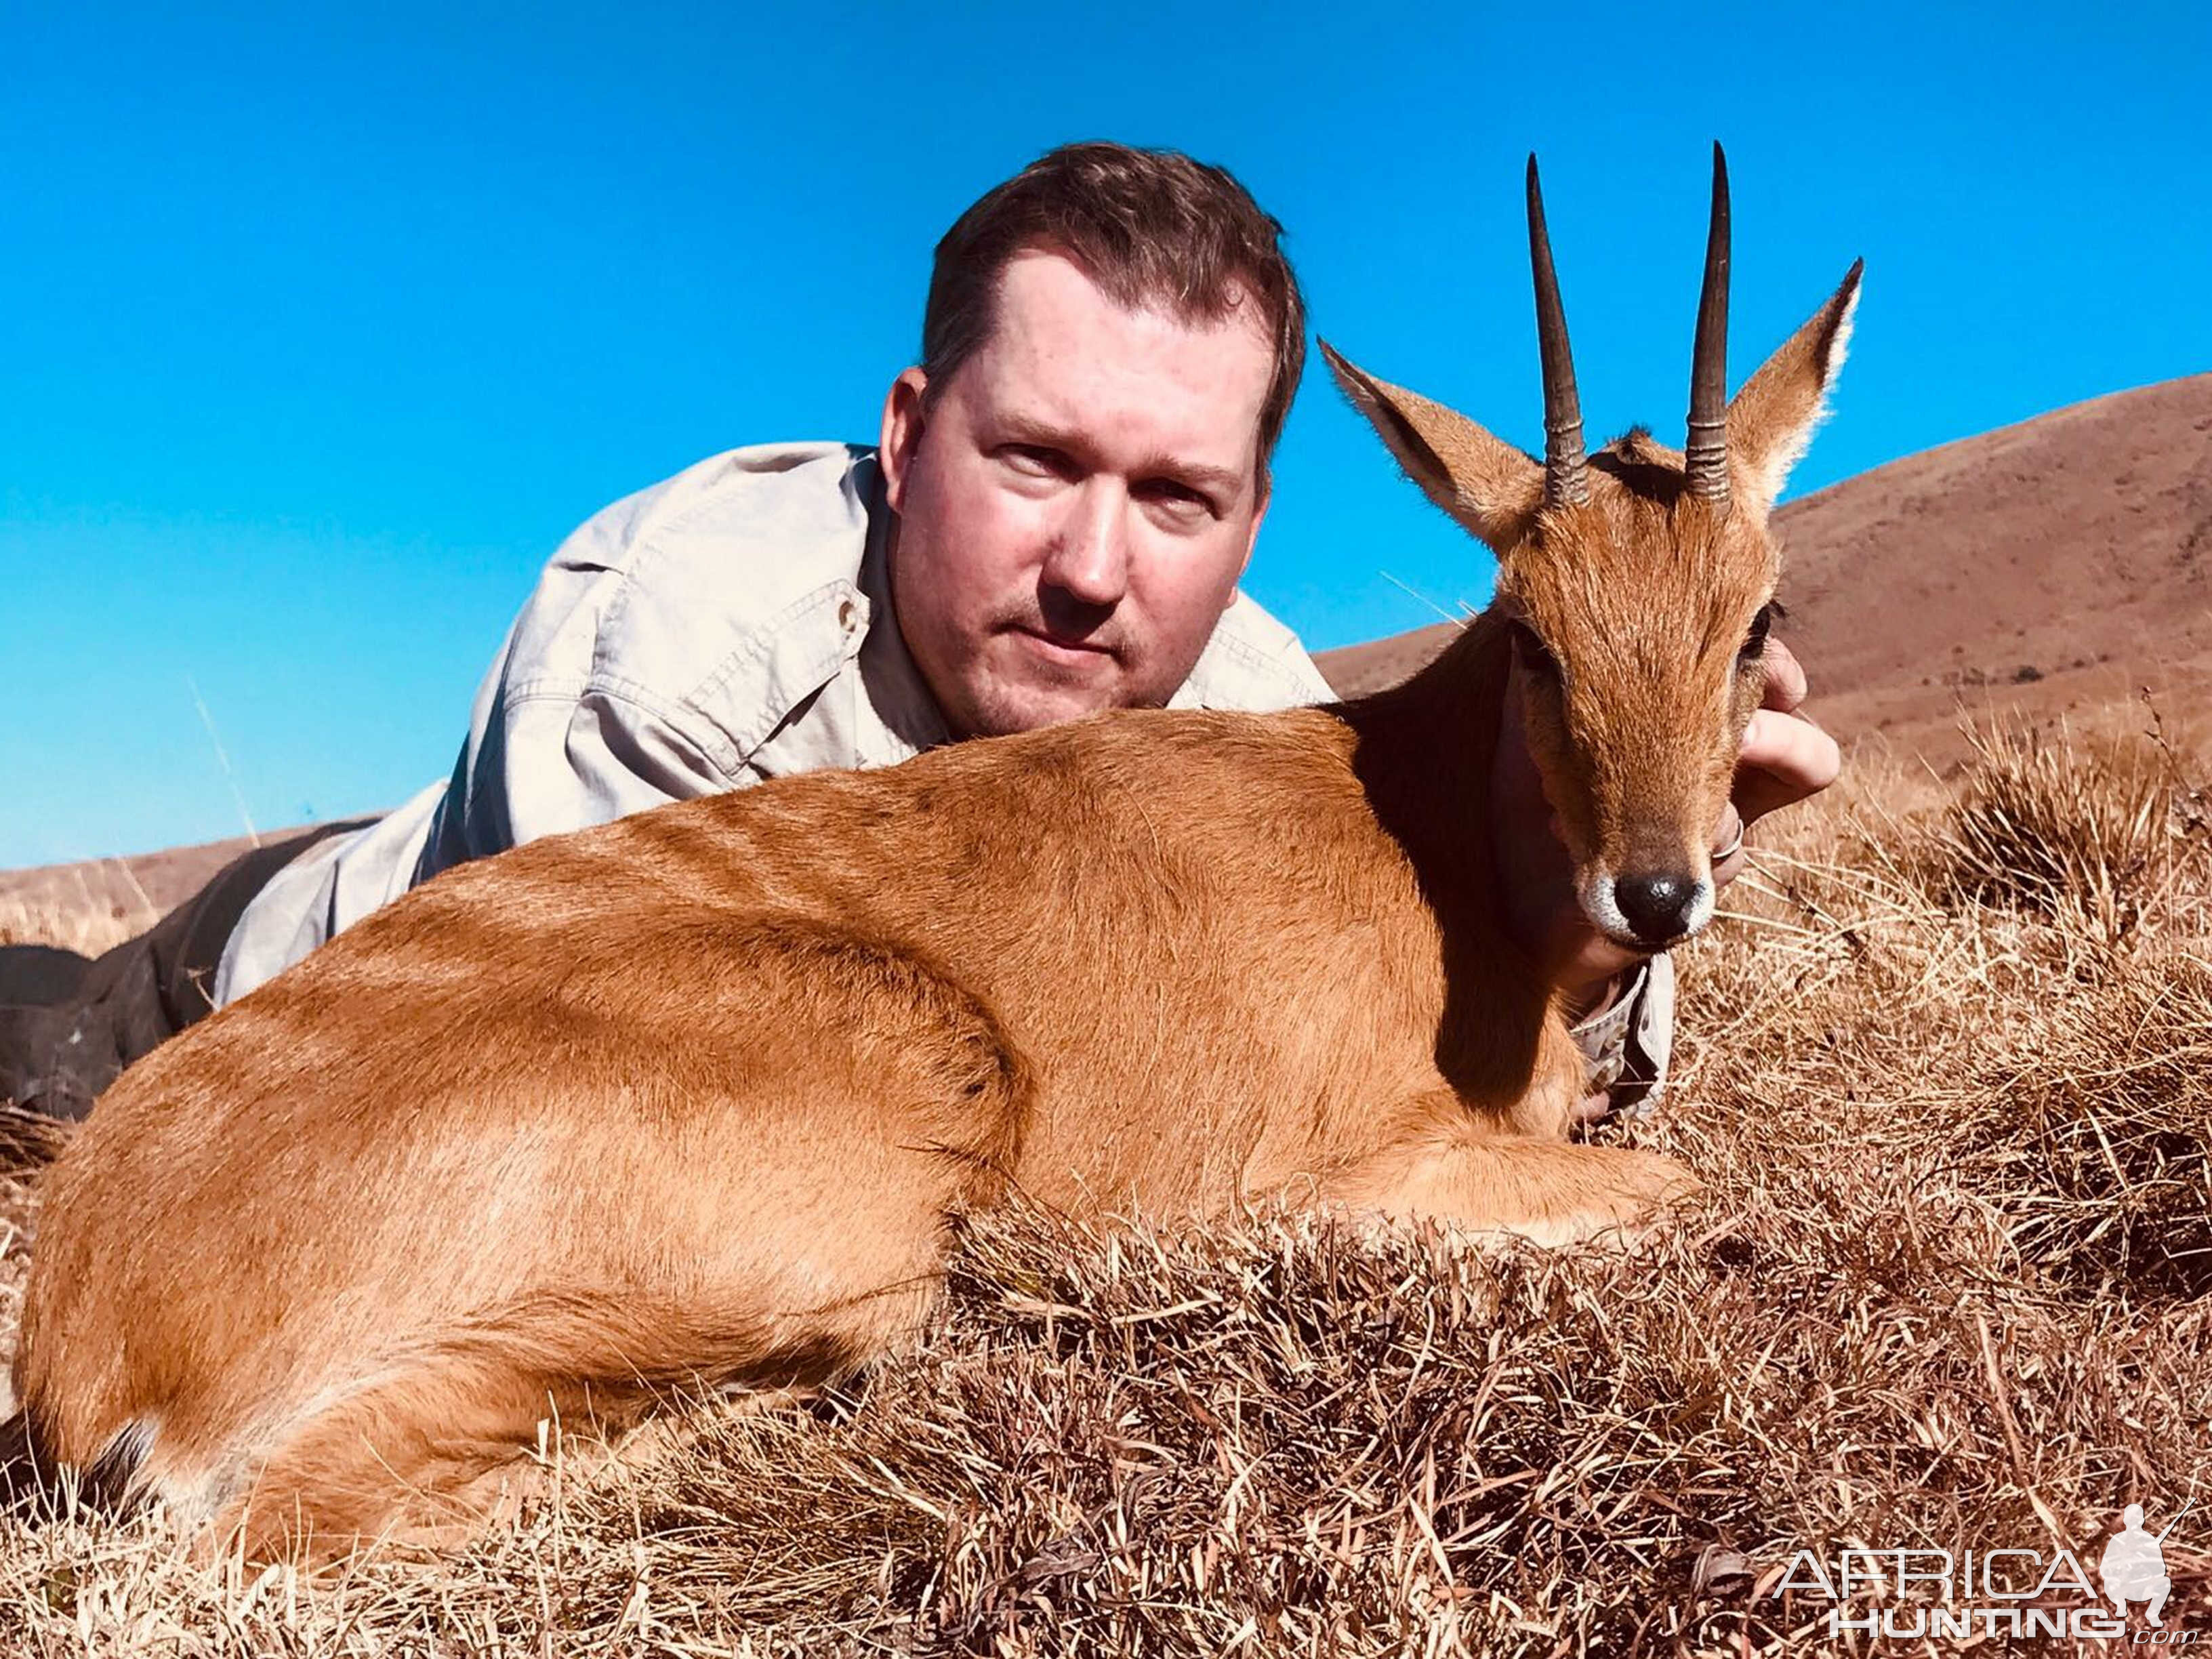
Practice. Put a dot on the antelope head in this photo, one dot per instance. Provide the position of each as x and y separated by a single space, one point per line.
1636 583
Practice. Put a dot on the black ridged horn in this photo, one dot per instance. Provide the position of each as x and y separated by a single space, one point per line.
1566 478
1704 457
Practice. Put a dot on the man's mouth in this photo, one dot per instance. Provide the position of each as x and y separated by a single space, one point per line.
1059 649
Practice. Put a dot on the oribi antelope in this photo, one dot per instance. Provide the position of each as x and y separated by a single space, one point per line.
689 1099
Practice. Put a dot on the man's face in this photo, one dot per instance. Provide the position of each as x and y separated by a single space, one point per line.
1076 506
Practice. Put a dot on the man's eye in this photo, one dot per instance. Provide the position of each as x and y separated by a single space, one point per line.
1034 460
1179 500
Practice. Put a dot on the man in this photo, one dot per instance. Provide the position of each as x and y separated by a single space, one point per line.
2133 1567
1066 492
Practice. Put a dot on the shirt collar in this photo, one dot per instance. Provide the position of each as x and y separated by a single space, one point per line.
897 716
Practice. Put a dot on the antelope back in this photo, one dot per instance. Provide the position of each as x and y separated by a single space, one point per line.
1638 582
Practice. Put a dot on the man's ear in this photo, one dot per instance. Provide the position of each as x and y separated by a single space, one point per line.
1490 487
902 433
1771 421
1252 540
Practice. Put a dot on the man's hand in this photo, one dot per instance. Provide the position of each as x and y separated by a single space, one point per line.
1785 758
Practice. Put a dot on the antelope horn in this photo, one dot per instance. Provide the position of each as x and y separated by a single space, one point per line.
1564 477
1704 457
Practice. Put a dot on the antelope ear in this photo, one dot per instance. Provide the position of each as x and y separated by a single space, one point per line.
1487 484
1771 421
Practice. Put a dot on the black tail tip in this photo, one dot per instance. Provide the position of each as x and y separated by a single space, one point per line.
21 1463
34 1481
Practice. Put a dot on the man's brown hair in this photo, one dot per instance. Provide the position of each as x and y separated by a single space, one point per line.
1150 227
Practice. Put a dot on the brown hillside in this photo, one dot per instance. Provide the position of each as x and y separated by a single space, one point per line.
2049 566
96 902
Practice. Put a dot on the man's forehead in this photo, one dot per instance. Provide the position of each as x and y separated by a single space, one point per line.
1063 352
1045 279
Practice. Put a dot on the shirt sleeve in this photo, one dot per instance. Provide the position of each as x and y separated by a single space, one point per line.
669 637
1628 1047
667 640
552 759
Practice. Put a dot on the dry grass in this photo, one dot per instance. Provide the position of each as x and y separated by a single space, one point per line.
1948 1078
87 930
2089 836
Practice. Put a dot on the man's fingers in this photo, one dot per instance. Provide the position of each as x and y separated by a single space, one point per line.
1785 676
1784 758
1792 749
1728 849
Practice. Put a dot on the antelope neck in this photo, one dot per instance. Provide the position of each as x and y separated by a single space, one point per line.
1423 753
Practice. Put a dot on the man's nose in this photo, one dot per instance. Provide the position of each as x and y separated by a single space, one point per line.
1090 557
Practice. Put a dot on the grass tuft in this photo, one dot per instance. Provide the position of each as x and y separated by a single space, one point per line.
2087 835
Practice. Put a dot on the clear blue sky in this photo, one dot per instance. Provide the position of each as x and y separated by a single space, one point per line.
320 329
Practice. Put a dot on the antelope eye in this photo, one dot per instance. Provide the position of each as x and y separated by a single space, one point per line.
1756 641
1535 656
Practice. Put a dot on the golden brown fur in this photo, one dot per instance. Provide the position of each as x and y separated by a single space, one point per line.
690 1096
688 1099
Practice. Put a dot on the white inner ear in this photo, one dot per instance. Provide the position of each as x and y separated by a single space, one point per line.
1774 468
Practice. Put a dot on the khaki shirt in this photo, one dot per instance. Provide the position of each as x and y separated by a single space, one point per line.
729 625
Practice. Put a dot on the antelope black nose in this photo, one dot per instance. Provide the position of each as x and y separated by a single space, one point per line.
1658 905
